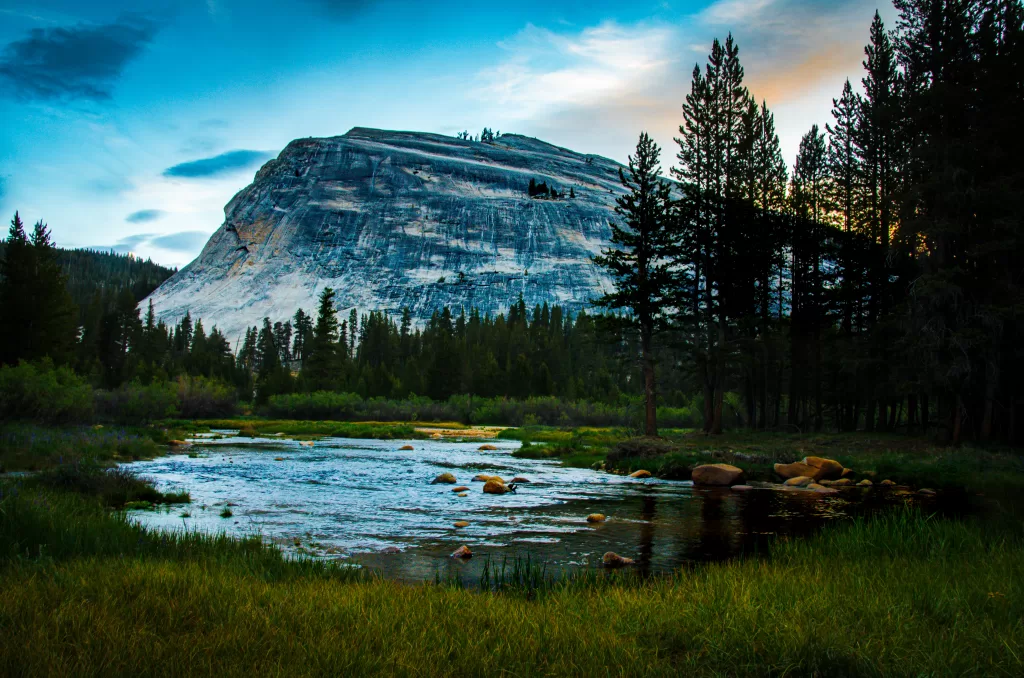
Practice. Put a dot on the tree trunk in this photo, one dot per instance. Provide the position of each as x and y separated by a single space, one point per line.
911 412
924 413
990 401
869 416
958 422
650 398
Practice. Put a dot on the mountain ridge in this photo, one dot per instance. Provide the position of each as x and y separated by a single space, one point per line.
394 219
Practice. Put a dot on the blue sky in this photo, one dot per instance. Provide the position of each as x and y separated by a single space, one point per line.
131 124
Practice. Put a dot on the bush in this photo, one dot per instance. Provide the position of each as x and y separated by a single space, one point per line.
202 398
44 393
138 404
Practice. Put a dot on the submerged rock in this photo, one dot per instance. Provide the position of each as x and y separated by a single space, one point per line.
596 518
461 523
612 559
444 478
486 448
406 447
462 552
519 479
717 474
742 488
460 488
799 481
640 474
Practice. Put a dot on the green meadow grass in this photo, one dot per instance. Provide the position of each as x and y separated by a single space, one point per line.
86 593
300 428
30 447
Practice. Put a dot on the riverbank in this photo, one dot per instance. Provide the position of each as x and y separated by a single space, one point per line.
92 594
906 460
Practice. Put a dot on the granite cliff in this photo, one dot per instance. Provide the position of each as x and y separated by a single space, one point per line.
396 219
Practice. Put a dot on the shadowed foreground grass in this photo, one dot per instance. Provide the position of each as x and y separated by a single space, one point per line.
85 593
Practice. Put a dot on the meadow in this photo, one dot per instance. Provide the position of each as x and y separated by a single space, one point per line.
92 594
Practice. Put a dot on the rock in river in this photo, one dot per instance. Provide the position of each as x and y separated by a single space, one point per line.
461 523
444 478
487 448
596 518
406 447
612 559
830 469
462 552
797 469
460 488
717 474
799 481
495 487
640 474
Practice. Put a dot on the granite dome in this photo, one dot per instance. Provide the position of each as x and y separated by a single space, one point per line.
395 219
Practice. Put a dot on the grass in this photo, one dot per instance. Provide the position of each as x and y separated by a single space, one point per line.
91 594
253 427
903 459
115 487
29 447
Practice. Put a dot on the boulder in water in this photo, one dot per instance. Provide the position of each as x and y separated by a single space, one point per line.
495 486
640 474
612 559
444 478
717 474
462 552
830 468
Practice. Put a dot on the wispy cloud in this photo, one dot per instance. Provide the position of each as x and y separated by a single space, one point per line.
77 62
218 165
144 216
546 70
187 242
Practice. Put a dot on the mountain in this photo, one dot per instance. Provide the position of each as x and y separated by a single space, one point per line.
403 219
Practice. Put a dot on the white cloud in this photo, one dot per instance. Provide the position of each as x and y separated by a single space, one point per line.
733 11
546 70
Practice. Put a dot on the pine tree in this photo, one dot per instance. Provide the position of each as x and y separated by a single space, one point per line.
322 369
34 299
642 259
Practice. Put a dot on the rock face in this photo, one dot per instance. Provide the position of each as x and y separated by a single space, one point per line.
402 219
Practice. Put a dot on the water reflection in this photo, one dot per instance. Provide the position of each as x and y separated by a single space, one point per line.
368 502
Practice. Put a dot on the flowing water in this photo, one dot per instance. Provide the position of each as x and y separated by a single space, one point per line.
369 503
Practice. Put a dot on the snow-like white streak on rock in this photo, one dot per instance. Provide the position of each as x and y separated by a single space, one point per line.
401 219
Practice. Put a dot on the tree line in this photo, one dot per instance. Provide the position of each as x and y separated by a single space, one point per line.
877 285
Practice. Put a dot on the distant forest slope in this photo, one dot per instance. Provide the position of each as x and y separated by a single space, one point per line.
97 279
